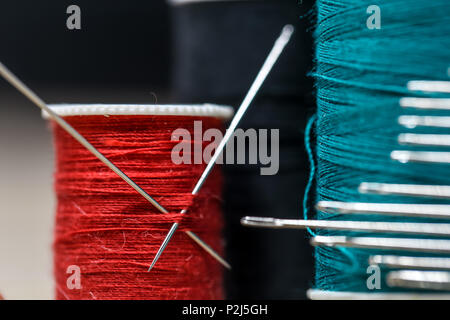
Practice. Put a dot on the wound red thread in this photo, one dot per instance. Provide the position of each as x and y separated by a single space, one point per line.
112 233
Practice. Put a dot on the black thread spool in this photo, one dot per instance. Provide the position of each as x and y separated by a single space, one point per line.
219 46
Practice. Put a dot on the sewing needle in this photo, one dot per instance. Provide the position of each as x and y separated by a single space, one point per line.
430 229
407 262
273 56
429 86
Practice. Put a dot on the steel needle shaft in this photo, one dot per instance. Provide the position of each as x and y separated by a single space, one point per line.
430 229
273 56
19 85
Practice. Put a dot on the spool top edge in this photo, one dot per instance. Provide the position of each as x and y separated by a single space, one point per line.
200 110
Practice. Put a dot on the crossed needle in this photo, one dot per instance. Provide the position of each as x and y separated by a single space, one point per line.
273 56
19 85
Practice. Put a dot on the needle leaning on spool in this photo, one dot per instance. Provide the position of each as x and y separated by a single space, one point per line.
429 229
400 244
405 156
413 279
415 139
425 103
429 86
412 190
273 56
440 211
27 92
406 262
424 121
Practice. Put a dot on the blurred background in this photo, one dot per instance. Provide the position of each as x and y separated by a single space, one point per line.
151 52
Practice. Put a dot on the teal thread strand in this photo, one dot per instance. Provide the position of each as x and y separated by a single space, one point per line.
312 169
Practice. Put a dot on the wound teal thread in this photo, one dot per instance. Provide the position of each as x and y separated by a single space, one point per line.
360 76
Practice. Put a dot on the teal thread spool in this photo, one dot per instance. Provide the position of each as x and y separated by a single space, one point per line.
361 74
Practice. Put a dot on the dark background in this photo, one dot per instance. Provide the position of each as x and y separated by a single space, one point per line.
138 51
121 42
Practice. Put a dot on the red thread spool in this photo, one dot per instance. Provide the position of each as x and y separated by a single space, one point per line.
110 233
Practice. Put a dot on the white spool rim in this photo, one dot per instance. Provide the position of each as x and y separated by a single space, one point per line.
195 110
315 294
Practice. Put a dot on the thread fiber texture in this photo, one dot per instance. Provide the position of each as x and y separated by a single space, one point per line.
112 233
361 74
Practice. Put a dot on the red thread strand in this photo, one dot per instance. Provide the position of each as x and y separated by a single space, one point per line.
111 233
